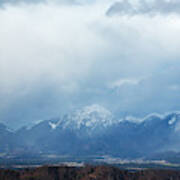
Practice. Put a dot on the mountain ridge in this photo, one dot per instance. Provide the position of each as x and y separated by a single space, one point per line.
94 130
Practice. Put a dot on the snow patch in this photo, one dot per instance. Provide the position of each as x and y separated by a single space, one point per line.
172 121
52 125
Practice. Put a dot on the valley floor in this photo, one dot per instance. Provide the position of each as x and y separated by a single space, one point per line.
87 173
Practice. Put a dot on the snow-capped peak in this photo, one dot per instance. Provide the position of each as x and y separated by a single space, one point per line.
89 117
96 118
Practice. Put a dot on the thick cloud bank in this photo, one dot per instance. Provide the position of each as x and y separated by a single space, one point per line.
56 57
163 7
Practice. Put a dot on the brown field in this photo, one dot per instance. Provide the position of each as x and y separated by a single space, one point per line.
86 173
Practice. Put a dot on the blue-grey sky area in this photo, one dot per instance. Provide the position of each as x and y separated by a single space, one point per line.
149 7
57 56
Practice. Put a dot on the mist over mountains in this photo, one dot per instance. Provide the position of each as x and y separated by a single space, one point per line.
77 75
93 130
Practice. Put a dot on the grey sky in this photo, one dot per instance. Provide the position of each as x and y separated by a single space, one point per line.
148 7
55 58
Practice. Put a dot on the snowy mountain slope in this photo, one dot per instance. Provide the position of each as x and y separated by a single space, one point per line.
94 130
91 120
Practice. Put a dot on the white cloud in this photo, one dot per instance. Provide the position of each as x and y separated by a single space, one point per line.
45 41
123 82
65 55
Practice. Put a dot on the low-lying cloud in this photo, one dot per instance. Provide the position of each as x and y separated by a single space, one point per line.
57 57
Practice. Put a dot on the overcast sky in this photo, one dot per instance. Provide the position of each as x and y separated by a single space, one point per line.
57 56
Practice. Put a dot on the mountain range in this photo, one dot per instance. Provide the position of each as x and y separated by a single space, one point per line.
94 130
